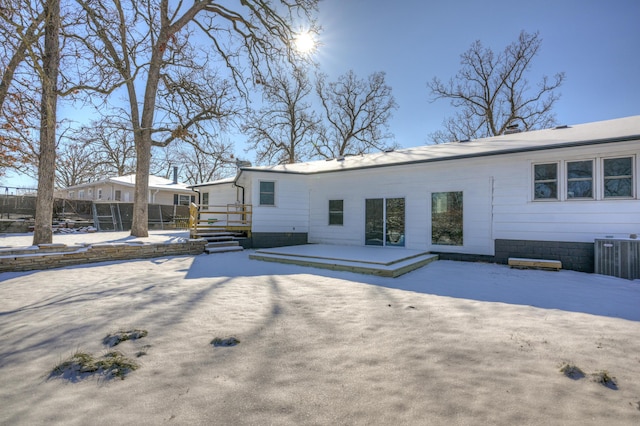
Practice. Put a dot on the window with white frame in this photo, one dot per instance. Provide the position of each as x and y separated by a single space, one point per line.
205 201
617 177
580 179
183 200
267 193
99 193
81 194
336 212
545 181
585 179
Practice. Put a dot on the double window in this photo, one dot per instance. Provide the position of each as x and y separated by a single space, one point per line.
580 179
180 199
336 212
267 193
604 178
545 181
618 177
205 201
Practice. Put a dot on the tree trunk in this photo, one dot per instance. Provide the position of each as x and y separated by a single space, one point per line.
140 224
43 233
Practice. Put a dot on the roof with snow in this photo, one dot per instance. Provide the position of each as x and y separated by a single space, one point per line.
214 182
155 182
610 131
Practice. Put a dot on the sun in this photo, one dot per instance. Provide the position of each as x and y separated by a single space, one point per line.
305 42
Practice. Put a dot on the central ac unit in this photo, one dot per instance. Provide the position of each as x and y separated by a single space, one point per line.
618 257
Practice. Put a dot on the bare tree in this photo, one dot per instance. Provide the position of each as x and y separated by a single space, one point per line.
75 165
112 150
491 92
357 112
149 45
285 129
42 232
210 160
21 27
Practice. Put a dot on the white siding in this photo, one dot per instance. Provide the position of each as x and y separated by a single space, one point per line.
518 217
221 194
291 210
497 200
415 184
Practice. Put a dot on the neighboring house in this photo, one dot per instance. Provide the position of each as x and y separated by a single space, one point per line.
121 188
542 194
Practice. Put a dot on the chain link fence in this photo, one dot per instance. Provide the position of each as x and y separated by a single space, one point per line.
106 216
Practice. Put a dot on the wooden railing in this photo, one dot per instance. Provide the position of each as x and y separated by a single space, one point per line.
193 220
229 217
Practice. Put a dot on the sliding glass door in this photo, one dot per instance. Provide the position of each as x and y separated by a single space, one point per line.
384 222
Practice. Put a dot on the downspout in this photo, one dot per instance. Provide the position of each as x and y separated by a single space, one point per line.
197 192
235 183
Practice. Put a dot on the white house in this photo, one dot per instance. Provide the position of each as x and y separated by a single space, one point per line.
121 188
542 194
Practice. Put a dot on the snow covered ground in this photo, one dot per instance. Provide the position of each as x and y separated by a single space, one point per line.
452 343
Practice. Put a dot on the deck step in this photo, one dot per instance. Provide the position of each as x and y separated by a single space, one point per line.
222 249
390 269
230 243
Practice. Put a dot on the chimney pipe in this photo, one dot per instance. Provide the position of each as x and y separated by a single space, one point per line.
175 174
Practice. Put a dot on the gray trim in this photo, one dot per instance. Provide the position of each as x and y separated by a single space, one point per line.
458 157
276 239
574 256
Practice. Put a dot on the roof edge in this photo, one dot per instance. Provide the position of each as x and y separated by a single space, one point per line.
460 157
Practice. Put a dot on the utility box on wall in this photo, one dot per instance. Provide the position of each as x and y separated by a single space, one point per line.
618 257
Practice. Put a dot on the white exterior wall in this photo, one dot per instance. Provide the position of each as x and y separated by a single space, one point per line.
518 217
415 184
497 200
220 194
291 210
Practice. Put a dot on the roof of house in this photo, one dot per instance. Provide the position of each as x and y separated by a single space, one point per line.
215 182
155 182
609 131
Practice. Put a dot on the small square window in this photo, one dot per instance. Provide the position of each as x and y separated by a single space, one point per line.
267 193
336 212
618 177
545 181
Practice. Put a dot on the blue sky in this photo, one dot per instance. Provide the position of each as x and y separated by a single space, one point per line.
595 42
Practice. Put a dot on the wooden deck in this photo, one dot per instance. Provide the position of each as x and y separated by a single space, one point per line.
380 261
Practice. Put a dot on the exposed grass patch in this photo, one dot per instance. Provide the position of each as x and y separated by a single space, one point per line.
604 378
118 337
229 341
82 365
142 351
572 371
